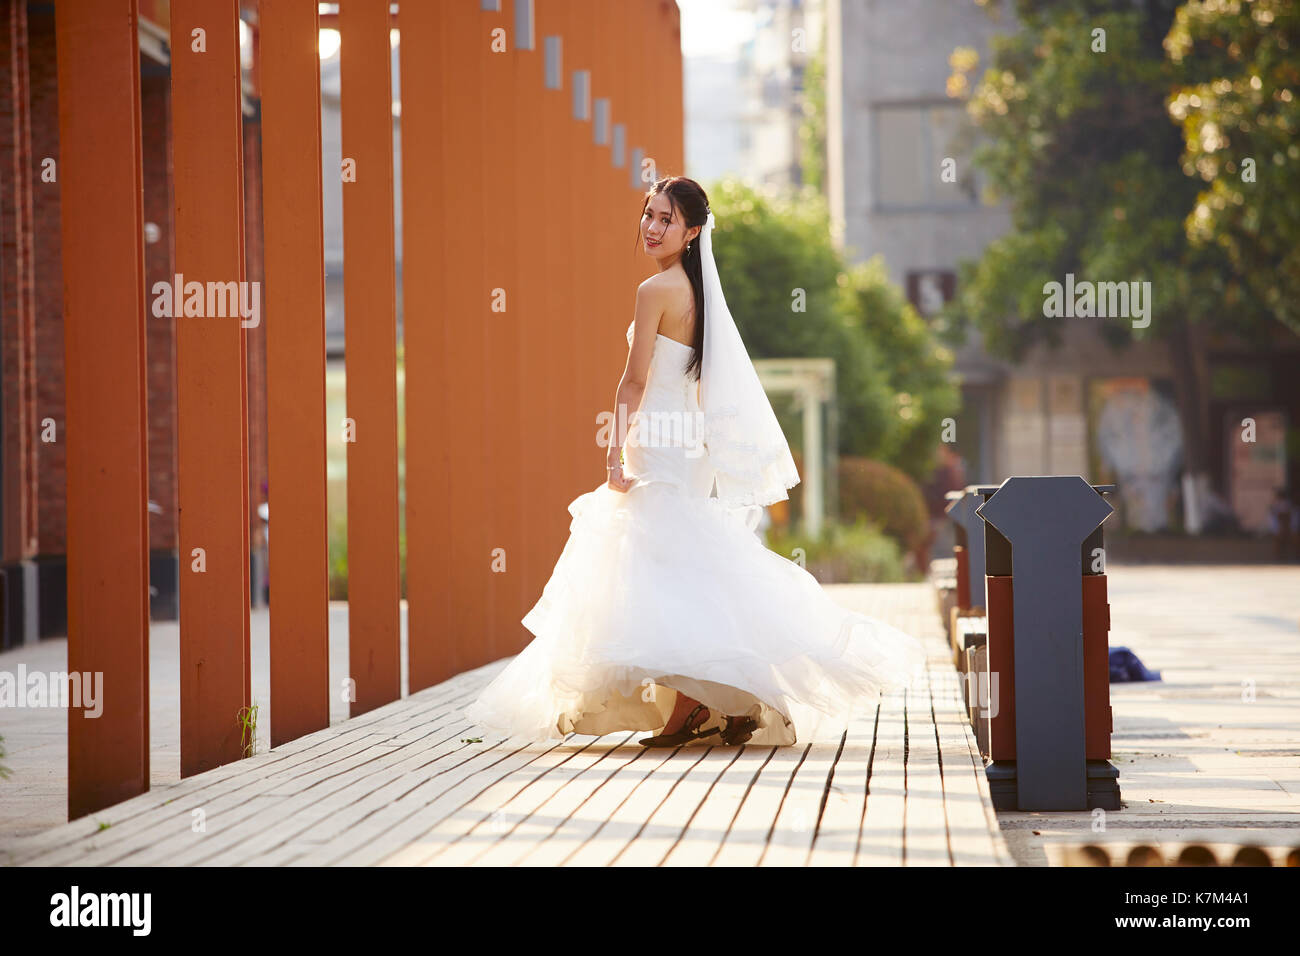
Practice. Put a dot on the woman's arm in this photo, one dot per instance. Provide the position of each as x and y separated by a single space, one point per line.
631 387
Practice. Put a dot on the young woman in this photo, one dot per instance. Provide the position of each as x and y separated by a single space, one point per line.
665 612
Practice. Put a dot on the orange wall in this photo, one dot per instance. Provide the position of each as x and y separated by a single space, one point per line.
519 275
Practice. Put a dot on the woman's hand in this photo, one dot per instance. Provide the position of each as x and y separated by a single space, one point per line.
617 480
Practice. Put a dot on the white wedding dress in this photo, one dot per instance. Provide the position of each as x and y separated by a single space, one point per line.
659 589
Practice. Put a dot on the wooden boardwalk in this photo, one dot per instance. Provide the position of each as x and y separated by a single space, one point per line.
407 785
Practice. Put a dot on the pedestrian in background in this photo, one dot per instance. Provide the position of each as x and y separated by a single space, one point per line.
1284 525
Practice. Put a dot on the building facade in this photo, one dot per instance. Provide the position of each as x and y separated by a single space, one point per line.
1077 408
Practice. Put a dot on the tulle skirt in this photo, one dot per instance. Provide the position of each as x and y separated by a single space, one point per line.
658 592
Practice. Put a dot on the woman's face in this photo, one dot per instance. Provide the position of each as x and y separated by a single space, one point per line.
663 232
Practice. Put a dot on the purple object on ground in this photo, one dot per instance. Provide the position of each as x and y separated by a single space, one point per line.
1125 667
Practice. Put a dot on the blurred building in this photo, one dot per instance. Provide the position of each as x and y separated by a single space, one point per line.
772 66
890 126
598 122
33 517
745 106
714 132
1080 408
331 157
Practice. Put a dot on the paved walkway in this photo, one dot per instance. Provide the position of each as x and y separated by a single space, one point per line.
405 784
1211 753
35 797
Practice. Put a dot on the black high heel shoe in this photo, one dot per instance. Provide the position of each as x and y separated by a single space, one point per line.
688 732
738 730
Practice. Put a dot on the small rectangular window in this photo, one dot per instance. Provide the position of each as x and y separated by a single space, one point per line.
554 76
582 94
918 147
619 151
600 135
638 155
524 25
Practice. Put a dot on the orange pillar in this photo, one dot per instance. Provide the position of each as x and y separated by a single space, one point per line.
503 559
426 285
370 326
644 53
610 230
104 306
558 312
465 313
639 57
674 132
554 314
212 438
668 112
655 100
539 459
626 204
584 263
295 355
561 313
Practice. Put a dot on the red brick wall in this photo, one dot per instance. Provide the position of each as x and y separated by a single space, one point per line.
48 287
160 333
51 490
31 291
255 338
17 298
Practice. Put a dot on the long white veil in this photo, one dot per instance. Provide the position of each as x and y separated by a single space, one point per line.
747 449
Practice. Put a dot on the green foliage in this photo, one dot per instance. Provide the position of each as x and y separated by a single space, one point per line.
793 296
914 372
1082 146
1239 64
338 547
885 496
812 127
775 254
4 771
843 553
336 498
1127 165
247 720
337 519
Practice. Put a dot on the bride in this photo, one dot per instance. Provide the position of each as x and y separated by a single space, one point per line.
665 612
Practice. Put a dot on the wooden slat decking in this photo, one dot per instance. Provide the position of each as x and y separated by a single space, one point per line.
902 785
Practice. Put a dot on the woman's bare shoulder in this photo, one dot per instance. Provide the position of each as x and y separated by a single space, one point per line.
670 293
673 280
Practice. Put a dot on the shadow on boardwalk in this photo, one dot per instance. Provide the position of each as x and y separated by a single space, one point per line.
401 785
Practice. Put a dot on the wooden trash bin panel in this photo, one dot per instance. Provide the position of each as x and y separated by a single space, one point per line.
1096 668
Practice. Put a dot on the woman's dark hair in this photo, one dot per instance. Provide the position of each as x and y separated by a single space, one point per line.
691 203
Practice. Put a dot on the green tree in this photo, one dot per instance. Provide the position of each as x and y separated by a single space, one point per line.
812 128
1240 112
793 296
915 369
1080 143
